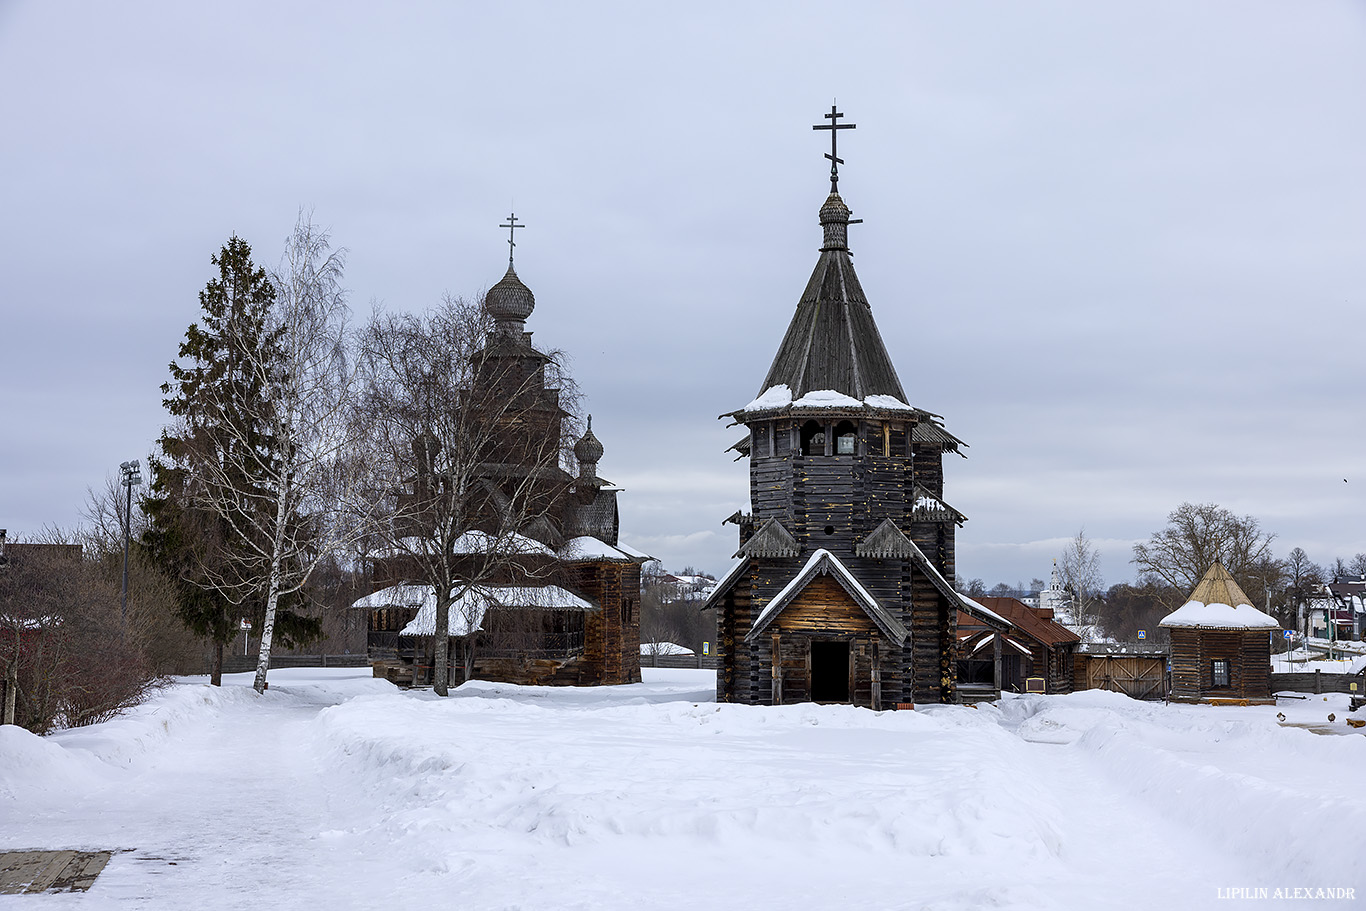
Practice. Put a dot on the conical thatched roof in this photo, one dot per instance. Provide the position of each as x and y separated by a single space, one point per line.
1219 603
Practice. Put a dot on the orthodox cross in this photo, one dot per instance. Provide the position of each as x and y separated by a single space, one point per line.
512 227
834 126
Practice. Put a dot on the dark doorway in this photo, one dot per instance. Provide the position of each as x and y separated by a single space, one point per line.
829 671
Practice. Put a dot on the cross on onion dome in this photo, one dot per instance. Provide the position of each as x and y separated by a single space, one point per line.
512 227
834 126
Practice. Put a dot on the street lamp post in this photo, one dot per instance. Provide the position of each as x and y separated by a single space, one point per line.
132 476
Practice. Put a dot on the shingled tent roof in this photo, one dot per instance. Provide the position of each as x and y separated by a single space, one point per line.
1218 603
833 342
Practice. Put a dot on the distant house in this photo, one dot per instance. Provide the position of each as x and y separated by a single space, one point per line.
1220 644
1339 612
1037 646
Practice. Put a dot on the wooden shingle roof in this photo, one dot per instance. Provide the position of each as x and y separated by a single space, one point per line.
833 342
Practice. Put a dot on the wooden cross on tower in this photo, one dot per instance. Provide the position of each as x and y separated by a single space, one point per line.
834 126
512 227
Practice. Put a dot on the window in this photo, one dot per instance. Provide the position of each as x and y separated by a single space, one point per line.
813 439
845 434
1219 671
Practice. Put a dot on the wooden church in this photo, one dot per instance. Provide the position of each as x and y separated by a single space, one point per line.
842 588
562 606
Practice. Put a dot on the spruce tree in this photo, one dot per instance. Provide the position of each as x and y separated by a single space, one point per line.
218 405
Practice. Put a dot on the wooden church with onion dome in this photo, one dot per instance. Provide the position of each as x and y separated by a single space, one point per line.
1220 645
841 591
563 605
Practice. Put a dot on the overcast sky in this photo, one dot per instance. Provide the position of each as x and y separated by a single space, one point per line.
1120 247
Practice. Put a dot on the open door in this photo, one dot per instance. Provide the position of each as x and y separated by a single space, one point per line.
829 671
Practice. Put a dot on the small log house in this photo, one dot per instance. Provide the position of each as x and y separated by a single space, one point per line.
1220 644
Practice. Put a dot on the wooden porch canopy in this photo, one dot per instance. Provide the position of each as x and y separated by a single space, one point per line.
823 562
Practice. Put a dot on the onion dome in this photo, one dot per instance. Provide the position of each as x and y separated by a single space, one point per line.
588 450
835 221
510 302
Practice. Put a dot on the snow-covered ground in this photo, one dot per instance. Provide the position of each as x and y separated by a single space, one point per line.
337 791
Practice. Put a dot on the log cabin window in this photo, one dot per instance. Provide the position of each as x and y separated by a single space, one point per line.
845 435
1219 672
813 438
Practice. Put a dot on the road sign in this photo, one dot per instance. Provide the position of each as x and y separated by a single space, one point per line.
1142 634
706 648
1286 634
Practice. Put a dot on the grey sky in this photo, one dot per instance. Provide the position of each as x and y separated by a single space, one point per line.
1120 247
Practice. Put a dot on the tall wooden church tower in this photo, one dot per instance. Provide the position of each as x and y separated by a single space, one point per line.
841 591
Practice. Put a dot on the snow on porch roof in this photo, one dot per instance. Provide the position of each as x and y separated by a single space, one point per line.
823 561
468 608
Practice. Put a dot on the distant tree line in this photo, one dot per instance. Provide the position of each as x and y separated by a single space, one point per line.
1169 565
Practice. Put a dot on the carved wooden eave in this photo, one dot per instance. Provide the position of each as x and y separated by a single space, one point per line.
742 447
823 562
772 540
887 542
926 507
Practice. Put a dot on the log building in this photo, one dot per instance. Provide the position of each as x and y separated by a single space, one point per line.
841 591
1220 644
566 610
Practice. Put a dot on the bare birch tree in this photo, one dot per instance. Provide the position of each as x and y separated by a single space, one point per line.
465 425
1079 569
278 481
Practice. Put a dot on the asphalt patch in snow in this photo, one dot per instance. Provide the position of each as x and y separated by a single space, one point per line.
50 871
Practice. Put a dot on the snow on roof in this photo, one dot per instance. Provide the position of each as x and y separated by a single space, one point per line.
1009 641
887 402
827 398
396 596
1219 603
780 396
870 605
481 542
630 551
727 580
664 648
586 547
469 607
1218 616
983 608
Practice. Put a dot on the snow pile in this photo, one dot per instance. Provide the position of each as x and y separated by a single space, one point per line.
335 789
664 648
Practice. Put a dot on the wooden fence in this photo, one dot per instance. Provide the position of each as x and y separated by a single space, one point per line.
710 662
1319 682
236 664
1136 676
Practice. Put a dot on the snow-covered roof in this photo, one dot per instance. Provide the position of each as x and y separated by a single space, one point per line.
780 396
981 608
469 607
1219 616
729 578
824 561
586 547
395 596
631 551
1218 603
480 542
